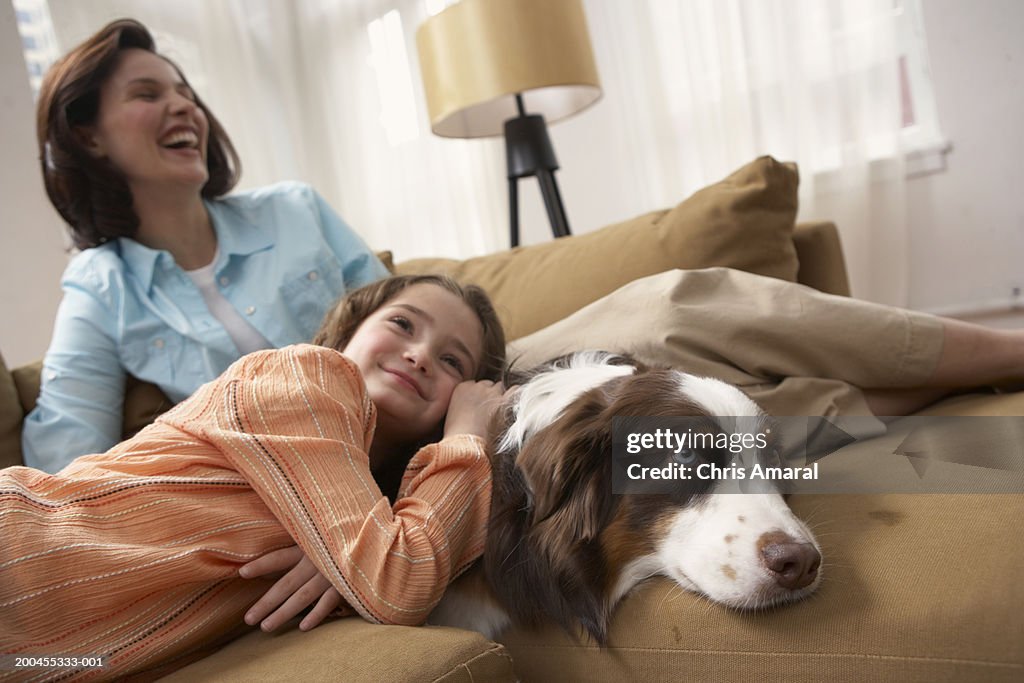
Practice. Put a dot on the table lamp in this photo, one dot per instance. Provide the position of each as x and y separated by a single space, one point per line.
493 67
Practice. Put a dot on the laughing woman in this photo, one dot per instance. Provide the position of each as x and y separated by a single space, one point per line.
174 281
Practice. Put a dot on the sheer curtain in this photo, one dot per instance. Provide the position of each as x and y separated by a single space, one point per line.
328 91
702 86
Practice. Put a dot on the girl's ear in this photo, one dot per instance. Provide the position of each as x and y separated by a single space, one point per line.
87 138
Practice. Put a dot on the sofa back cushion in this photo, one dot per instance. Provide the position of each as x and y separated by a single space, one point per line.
744 221
11 415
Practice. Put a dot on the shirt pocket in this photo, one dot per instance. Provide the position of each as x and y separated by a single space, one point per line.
309 292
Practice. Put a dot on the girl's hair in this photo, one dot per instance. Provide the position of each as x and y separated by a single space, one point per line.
345 317
90 193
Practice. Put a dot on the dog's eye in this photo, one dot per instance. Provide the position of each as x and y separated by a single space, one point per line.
686 456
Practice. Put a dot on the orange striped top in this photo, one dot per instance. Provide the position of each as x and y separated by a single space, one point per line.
134 554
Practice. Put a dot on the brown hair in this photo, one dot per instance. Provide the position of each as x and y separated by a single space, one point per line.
89 193
345 317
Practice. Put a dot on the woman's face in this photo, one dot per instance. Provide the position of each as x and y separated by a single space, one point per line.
149 126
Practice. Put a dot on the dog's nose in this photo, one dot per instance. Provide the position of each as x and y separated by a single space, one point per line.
794 565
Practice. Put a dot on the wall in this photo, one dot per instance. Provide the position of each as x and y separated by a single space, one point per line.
32 254
966 224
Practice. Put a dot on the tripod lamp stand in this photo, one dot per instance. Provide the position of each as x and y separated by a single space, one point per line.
506 67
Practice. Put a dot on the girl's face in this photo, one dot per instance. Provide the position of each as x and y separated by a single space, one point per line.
412 353
149 125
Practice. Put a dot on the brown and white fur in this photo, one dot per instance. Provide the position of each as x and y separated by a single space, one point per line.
561 547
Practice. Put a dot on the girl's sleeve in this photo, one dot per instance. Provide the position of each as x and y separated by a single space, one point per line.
81 398
297 424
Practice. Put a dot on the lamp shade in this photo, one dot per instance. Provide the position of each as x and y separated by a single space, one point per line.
476 55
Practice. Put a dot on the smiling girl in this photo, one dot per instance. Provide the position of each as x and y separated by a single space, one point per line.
134 554
175 281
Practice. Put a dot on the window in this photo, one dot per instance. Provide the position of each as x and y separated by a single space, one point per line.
922 140
37 38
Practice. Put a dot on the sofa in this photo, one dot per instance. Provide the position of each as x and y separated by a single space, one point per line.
916 587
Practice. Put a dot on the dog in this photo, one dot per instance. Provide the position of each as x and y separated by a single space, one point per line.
562 547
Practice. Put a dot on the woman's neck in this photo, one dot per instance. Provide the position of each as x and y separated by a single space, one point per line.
176 222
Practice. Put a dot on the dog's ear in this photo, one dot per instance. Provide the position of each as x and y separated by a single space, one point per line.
544 558
567 467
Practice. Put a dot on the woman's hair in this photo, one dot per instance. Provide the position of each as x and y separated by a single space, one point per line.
90 193
345 317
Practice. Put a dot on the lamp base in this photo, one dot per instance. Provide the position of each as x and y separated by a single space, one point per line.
529 152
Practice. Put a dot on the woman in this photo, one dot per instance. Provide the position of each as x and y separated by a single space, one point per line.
174 281
287 446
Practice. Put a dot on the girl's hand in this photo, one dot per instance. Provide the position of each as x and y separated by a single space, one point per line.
295 591
472 406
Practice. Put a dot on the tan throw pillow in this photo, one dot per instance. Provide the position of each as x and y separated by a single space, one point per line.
744 221
388 259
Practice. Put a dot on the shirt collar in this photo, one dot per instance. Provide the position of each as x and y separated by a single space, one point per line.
141 259
236 234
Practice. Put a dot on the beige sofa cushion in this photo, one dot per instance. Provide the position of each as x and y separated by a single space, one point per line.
820 253
744 221
915 588
355 651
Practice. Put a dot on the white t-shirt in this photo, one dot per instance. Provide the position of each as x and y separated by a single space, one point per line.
246 337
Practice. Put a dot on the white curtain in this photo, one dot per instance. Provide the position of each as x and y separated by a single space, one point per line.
328 91
699 87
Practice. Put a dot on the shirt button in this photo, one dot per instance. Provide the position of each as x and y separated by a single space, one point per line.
224 281
250 310
51 375
313 275
158 343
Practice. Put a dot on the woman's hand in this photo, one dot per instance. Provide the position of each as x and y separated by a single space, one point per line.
295 591
472 406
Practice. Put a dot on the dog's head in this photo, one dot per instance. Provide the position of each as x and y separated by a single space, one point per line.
561 546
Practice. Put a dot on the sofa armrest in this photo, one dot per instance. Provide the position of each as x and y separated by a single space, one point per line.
820 254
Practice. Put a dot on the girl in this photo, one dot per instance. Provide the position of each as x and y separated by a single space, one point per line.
174 281
134 554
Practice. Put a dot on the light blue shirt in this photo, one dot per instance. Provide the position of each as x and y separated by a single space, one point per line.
283 258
